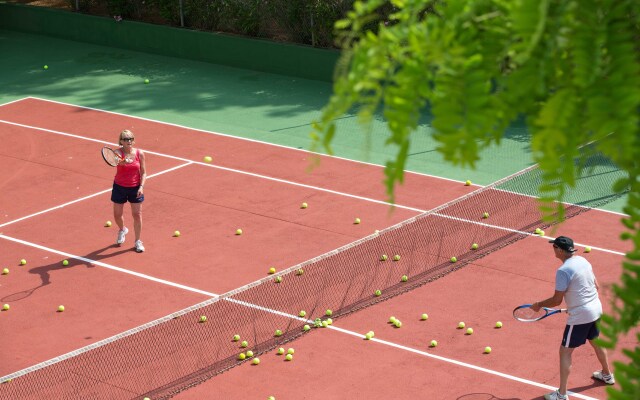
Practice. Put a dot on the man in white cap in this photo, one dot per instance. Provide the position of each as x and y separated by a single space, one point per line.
577 285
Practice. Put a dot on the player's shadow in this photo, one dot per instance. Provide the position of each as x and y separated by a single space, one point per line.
44 271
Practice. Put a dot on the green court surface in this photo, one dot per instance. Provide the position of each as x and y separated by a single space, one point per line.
267 107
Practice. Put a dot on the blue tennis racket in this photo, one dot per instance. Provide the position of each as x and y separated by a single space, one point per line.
525 313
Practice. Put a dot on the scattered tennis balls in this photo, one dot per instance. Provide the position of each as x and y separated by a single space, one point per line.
176 234
587 249
61 308
396 257
272 270
236 338
392 319
404 278
302 313
474 246
46 67
244 343
278 332
107 224
203 318
288 357
370 333
65 262
278 279
23 262
368 336
281 351
485 215
356 221
242 356
325 324
461 325
453 259
146 81
384 257
467 183
306 328
304 205
271 398
238 232
433 343
249 353
378 292
424 317
469 331
5 271
300 271
328 313
541 233
398 324
538 230
207 159
498 324
329 321
6 307
290 350
487 350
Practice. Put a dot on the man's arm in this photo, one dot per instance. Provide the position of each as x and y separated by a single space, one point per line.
551 302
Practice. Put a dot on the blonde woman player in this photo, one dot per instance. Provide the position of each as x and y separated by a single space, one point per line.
128 186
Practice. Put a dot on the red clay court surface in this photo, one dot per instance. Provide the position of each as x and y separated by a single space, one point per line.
50 159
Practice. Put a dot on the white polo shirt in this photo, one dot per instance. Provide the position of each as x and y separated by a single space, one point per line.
575 277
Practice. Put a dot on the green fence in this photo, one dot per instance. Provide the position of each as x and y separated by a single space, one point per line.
260 55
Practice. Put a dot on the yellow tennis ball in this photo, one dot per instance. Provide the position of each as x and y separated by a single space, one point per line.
60 308
541 233
203 318
392 319
146 81
368 336
272 270
453 259
6 307
329 321
46 67
469 331
5 271
107 224
384 257
325 324
587 249
433 343
306 328
485 215
23 262
404 278
467 183
281 351
424 317
288 357
498 324
278 279
474 246
249 353
328 313
398 324
461 325
396 257
356 221
300 271
236 338
242 356
278 332
302 313
271 398
65 262
238 232
378 292
176 234
487 350
304 205
244 343
207 159
290 350
538 230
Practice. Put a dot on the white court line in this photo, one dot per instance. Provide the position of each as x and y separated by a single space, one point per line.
85 198
213 295
317 188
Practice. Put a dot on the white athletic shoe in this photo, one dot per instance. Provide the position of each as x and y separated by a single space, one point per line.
121 236
556 396
139 246
608 379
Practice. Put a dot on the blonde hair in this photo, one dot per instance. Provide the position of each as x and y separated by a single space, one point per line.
125 132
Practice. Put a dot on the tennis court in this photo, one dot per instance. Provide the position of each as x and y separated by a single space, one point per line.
259 187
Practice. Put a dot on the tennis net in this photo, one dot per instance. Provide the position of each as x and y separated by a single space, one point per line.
169 355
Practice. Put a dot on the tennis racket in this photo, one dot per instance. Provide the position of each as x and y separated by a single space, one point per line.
110 156
525 313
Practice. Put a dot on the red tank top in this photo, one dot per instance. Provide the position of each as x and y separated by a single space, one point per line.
128 174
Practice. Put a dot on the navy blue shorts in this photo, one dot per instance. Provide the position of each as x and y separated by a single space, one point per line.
121 194
577 335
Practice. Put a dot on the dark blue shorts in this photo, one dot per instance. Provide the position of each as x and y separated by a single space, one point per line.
121 194
577 335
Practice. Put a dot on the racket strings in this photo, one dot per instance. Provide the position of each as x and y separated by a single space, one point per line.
527 313
110 156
